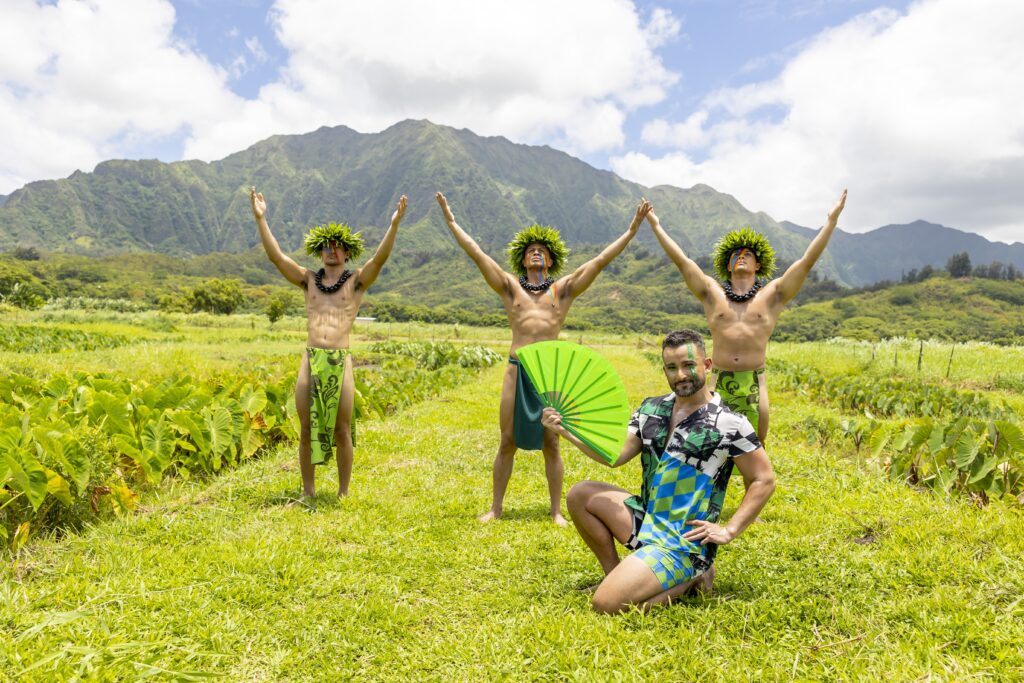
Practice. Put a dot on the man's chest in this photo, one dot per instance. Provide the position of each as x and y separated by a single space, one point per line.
694 443
535 303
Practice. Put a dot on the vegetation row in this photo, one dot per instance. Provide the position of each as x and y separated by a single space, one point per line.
74 445
947 439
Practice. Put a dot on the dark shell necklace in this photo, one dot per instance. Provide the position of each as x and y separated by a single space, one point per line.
330 289
733 296
542 287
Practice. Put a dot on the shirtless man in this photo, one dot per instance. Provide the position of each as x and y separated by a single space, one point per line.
742 310
333 295
536 305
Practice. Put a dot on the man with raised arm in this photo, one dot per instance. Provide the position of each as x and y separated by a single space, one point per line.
743 309
325 387
688 442
536 305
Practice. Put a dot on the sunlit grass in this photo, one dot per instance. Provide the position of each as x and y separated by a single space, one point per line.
848 577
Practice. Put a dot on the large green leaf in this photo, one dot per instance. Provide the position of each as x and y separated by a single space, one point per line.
158 446
28 476
966 449
58 487
169 394
253 401
111 412
219 429
251 441
981 467
10 439
58 387
189 423
945 477
1011 434
878 440
127 446
922 434
65 450
936 440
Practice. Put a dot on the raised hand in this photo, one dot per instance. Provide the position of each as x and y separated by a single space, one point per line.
259 206
399 211
833 215
652 218
642 209
448 215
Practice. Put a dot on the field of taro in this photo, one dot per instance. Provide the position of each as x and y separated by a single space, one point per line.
93 413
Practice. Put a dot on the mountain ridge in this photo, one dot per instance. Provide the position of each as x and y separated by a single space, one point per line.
886 253
495 186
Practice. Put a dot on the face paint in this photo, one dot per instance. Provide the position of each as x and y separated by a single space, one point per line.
736 257
692 368
334 250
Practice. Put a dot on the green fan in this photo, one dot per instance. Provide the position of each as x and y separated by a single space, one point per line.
584 388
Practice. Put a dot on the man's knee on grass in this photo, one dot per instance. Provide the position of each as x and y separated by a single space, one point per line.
608 602
579 495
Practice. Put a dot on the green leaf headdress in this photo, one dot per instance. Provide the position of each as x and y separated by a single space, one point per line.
338 233
752 240
542 234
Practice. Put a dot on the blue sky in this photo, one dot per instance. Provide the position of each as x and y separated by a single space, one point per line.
912 105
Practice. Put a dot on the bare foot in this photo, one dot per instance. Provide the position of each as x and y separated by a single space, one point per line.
342 494
706 580
559 519
308 494
489 516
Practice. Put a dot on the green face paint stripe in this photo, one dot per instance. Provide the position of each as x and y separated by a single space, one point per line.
692 368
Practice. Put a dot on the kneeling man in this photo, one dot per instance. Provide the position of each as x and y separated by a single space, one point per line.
688 442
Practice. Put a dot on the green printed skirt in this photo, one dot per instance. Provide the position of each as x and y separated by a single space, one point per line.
740 391
326 375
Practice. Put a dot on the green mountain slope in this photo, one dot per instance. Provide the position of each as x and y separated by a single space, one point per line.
938 308
495 186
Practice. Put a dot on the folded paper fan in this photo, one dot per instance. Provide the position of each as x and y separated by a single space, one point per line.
584 388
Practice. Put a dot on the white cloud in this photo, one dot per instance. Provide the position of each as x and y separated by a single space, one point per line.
662 27
919 114
690 134
80 80
83 81
255 48
564 73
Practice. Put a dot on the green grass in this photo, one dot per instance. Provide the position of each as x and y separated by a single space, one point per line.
848 577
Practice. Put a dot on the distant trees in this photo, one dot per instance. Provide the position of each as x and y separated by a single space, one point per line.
22 297
19 287
997 270
26 254
211 296
217 296
959 265
277 307
915 275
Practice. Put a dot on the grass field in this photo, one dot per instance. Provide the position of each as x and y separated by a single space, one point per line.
849 576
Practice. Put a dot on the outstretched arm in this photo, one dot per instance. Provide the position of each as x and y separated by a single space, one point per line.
292 271
694 277
371 269
497 278
584 276
792 280
552 419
